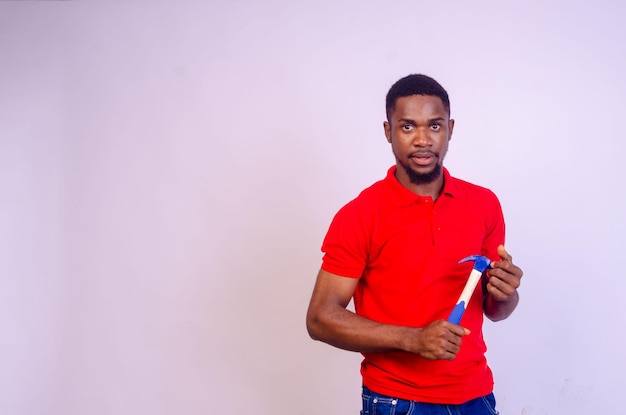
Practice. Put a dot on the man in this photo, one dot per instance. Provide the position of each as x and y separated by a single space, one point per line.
395 249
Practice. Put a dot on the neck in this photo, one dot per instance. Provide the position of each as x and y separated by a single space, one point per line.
432 189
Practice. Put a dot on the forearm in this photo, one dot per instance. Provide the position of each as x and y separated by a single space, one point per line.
346 330
499 310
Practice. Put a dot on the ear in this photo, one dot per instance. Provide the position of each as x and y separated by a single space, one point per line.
450 128
387 128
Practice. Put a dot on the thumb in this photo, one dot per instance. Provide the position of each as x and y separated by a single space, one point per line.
504 255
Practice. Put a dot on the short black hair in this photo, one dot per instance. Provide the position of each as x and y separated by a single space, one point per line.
415 84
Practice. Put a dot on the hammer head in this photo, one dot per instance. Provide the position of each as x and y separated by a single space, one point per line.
481 263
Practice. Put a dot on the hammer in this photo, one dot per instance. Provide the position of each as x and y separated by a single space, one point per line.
481 263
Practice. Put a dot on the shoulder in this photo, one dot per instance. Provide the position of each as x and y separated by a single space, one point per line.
348 237
367 201
476 192
476 200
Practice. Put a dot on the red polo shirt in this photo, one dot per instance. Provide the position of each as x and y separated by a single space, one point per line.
405 250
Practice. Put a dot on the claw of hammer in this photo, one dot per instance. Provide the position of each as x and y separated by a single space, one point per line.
481 263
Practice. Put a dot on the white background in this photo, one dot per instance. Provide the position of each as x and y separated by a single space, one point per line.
168 171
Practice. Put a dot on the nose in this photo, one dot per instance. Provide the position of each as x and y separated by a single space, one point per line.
422 138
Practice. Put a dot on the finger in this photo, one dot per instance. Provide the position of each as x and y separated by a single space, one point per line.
506 271
502 278
504 255
502 289
500 292
499 288
496 294
454 349
458 330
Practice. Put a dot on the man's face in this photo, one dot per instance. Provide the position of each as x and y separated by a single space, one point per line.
419 130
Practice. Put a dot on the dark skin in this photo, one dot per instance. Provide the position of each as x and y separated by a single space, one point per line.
419 130
503 280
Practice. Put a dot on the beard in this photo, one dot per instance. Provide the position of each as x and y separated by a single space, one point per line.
423 178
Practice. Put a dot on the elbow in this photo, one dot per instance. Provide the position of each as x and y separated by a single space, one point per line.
313 325
319 322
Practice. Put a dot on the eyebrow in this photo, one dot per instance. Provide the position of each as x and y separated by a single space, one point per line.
408 120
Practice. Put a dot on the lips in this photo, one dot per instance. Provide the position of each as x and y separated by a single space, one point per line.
423 158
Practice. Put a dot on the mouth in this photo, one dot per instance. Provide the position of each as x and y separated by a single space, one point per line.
423 158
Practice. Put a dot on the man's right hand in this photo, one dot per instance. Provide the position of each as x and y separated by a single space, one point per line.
440 340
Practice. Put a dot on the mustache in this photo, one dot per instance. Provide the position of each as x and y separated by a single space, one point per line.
423 153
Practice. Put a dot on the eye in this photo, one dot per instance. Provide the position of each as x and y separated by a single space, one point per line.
436 127
407 127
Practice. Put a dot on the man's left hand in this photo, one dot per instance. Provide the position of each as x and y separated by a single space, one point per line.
504 277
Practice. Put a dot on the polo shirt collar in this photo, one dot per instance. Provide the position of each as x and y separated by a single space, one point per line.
401 196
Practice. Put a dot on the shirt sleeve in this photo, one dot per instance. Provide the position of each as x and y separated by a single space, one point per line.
495 227
346 245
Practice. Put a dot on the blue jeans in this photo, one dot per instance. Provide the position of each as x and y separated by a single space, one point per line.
377 404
